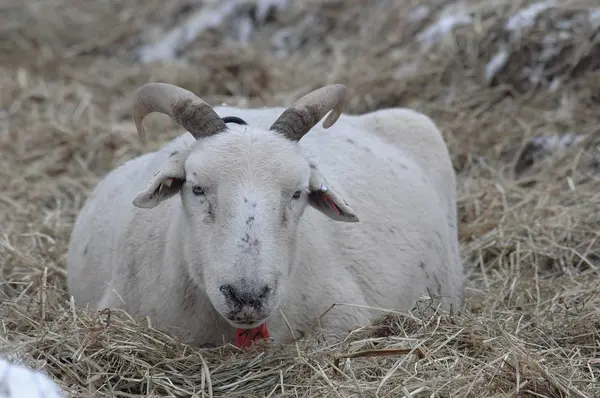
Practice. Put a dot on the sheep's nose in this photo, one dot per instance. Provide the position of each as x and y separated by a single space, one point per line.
245 306
238 298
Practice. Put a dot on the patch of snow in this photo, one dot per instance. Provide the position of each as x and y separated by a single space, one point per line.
555 84
212 14
495 65
243 29
525 18
167 47
18 381
564 24
442 27
558 142
594 18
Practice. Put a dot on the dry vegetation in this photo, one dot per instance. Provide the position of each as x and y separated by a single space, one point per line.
530 327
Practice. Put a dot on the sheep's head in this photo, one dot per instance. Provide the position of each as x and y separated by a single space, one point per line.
243 190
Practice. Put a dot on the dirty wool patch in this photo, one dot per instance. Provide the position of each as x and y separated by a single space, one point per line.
493 75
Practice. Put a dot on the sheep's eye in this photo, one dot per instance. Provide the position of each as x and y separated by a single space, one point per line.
297 195
197 190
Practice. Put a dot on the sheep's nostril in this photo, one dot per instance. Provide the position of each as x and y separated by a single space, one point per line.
230 293
265 292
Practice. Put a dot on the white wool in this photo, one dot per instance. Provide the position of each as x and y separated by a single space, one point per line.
19 381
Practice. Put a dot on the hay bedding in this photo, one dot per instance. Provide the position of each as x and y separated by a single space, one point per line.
531 321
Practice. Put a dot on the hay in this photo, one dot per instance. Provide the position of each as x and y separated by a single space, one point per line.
531 320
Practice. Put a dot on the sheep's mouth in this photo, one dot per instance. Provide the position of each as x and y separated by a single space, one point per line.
246 325
246 317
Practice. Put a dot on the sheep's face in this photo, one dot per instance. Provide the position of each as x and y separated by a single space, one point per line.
243 193
243 197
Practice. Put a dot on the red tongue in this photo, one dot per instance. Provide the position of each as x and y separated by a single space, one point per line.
245 337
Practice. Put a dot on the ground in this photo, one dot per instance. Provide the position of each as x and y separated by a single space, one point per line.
531 321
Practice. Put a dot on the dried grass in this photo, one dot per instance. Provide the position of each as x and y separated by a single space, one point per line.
531 321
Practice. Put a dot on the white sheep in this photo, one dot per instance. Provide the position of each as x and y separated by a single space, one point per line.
19 381
212 232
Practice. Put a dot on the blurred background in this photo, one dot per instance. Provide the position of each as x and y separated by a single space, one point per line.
513 85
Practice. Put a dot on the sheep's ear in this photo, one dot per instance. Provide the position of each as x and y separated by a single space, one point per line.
327 200
165 183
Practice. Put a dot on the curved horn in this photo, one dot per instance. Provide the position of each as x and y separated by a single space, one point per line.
297 120
183 106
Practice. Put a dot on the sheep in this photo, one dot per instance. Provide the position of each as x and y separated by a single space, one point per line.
20 381
243 224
